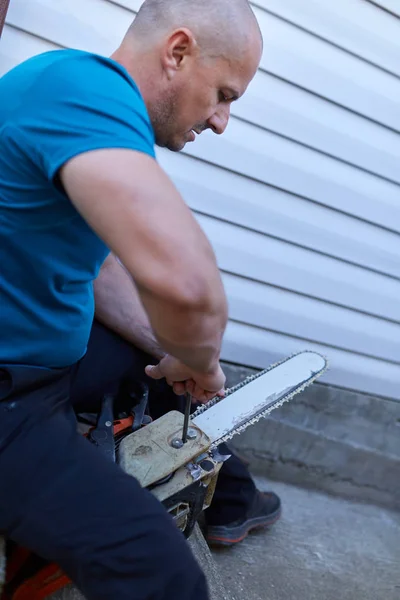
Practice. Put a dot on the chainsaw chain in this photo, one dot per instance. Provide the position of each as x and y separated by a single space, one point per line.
263 413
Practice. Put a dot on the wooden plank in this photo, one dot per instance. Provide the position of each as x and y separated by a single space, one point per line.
3 11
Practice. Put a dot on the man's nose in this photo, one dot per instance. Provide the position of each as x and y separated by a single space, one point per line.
219 120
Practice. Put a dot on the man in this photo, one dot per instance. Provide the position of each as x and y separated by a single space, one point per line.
79 185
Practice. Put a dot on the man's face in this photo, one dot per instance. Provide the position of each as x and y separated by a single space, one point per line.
200 98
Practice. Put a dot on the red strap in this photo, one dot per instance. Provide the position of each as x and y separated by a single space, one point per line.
49 580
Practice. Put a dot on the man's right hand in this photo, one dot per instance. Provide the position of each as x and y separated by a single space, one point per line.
202 386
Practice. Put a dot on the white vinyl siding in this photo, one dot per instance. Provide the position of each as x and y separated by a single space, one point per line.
301 195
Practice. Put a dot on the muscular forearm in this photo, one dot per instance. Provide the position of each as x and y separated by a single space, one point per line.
118 306
192 336
146 223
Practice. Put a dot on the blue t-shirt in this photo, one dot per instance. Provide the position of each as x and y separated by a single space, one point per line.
53 107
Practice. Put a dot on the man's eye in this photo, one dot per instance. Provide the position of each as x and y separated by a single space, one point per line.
223 97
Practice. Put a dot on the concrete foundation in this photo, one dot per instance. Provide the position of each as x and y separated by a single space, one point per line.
331 439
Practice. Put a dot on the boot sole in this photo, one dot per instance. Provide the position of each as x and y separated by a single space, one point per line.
229 536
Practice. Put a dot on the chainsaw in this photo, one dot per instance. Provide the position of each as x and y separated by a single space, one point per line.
176 457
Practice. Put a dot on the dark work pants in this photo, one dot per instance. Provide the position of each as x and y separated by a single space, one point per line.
60 497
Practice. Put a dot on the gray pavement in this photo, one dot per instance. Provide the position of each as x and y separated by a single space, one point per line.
323 548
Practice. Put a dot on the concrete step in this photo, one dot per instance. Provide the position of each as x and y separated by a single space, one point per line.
336 440
323 548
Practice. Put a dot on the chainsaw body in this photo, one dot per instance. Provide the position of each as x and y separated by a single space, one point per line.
181 475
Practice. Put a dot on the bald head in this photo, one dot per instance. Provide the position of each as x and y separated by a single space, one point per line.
191 59
222 28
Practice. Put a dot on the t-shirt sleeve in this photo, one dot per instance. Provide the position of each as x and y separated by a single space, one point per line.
82 104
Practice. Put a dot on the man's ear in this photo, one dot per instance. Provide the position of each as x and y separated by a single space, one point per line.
180 46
